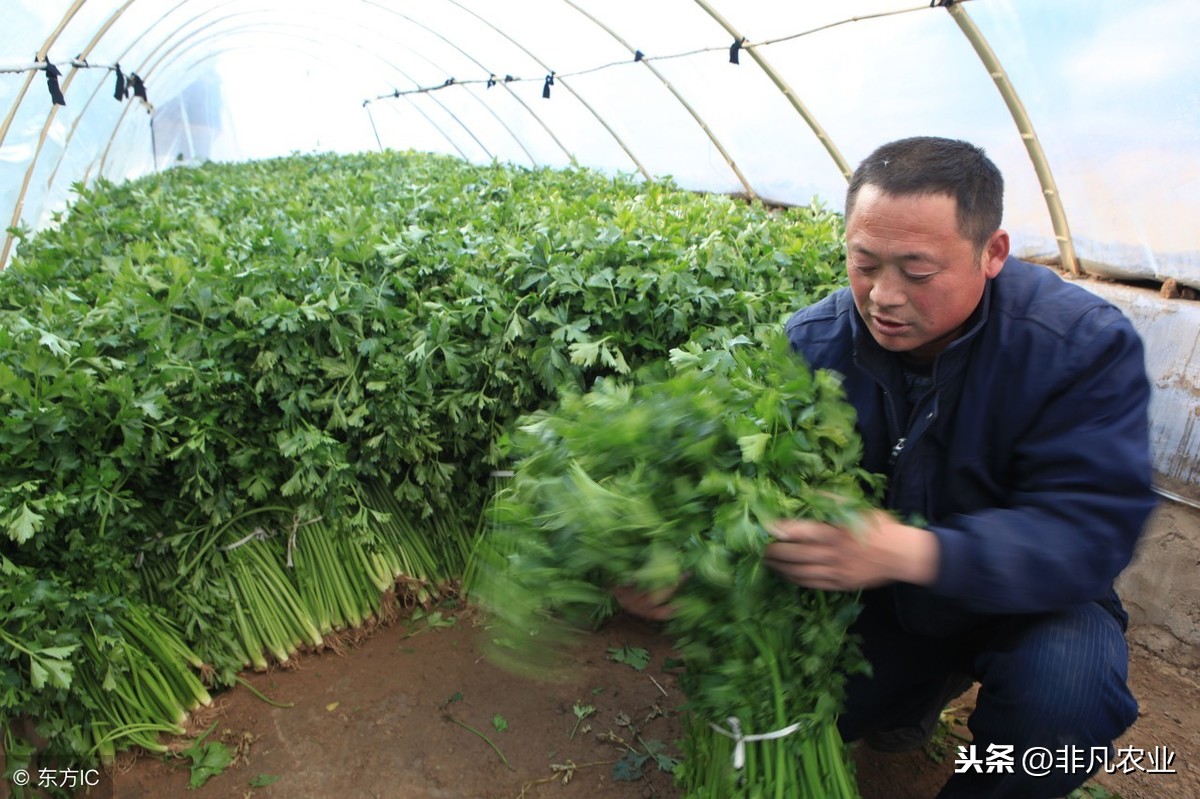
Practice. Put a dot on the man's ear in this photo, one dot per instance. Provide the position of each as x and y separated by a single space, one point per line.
995 253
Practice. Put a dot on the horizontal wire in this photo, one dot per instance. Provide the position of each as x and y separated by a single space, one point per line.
493 80
38 66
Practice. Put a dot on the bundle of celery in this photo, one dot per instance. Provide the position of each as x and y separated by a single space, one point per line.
671 482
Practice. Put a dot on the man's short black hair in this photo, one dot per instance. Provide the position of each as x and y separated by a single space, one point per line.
932 165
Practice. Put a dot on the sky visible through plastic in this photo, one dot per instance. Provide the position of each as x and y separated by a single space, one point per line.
1110 88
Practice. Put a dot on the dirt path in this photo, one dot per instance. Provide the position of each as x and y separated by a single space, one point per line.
376 722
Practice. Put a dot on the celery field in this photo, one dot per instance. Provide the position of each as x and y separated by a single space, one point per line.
251 407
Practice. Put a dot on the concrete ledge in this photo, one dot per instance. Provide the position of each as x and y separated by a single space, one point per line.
1171 332
1160 589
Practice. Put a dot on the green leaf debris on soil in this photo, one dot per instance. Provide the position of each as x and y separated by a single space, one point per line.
251 407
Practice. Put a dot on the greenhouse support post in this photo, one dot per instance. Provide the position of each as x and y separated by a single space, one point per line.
1058 216
772 73
375 130
154 146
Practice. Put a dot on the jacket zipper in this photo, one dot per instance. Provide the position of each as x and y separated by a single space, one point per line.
894 419
902 441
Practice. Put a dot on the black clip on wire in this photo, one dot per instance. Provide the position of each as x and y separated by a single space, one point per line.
122 91
734 48
547 85
638 55
139 88
52 76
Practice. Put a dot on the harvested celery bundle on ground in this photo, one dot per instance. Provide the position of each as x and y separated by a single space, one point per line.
671 480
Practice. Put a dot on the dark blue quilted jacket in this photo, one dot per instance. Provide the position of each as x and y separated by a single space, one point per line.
1029 458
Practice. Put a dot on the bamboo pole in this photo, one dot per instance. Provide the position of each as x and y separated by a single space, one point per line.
19 206
1058 215
679 97
95 92
41 56
12 111
793 98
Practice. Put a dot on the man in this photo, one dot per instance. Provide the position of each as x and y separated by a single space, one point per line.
1008 410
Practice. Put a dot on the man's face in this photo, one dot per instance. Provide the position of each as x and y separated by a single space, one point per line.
914 277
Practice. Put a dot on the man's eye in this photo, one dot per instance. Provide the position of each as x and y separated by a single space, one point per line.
919 278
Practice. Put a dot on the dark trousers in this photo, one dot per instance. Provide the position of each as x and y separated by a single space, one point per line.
1054 680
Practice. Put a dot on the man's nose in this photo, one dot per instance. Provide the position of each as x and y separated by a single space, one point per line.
886 290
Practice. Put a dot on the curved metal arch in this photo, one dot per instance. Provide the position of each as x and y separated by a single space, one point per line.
372 54
682 100
191 42
438 67
787 90
374 129
479 64
19 206
215 7
1033 146
41 56
210 9
279 47
616 137
95 92
376 56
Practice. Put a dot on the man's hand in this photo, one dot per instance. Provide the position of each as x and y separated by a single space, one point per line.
880 551
650 605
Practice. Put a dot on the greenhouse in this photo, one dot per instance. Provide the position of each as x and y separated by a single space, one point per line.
365 365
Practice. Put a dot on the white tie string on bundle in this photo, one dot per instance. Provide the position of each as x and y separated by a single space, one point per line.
740 739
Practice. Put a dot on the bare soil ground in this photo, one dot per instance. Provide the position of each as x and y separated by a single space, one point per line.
413 712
